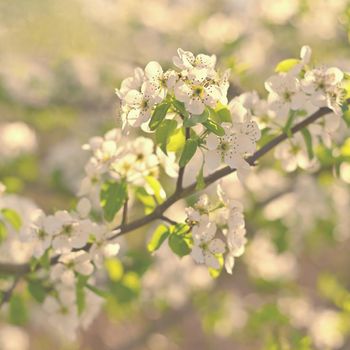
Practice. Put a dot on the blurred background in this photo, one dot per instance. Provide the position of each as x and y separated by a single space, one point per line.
60 62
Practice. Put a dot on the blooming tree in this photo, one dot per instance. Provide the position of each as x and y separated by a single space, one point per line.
185 118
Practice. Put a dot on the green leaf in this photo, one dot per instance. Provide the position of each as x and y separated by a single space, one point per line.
146 199
286 65
308 142
3 231
188 152
159 236
159 115
17 310
200 179
196 119
37 290
288 126
12 217
176 141
163 133
157 188
180 240
180 108
221 114
214 127
97 291
114 269
80 293
112 196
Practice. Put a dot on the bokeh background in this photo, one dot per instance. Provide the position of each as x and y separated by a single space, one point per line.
60 61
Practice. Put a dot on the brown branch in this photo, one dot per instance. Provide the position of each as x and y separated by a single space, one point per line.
8 293
189 190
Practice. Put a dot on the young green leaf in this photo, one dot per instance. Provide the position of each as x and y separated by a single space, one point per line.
288 126
165 129
214 127
146 199
200 179
12 217
158 237
157 188
37 290
286 65
159 115
112 197
196 119
17 310
179 245
176 141
80 293
308 142
180 108
180 240
3 231
188 152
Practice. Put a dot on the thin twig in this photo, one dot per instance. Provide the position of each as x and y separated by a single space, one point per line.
189 190
7 294
125 213
170 221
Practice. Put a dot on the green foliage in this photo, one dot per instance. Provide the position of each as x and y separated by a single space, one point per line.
308 142
18 312
286 65
113 196
146 199
176 141
114 269
158 237
180 108
12 217
196 119
157 189
37 290
3 231
180 240
200 183
214 127
80 292
159 115
188 151
163 133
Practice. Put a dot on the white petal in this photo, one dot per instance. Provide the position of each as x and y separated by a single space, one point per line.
154 70
197 255
211 261
217 246
195 106
84 207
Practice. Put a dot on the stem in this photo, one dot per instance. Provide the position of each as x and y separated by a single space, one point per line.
182 169
7 294
170 221
182 192
125 213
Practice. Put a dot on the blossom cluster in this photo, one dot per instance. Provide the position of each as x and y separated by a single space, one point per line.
116 158
218 231
200 88
62 240
300 90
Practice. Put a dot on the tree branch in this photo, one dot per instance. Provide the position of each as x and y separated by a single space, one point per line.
7 294
189 190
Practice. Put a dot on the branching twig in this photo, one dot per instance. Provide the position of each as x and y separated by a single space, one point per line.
170 221
184 192
8 293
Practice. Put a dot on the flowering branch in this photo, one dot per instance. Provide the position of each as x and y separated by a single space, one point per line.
182 192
